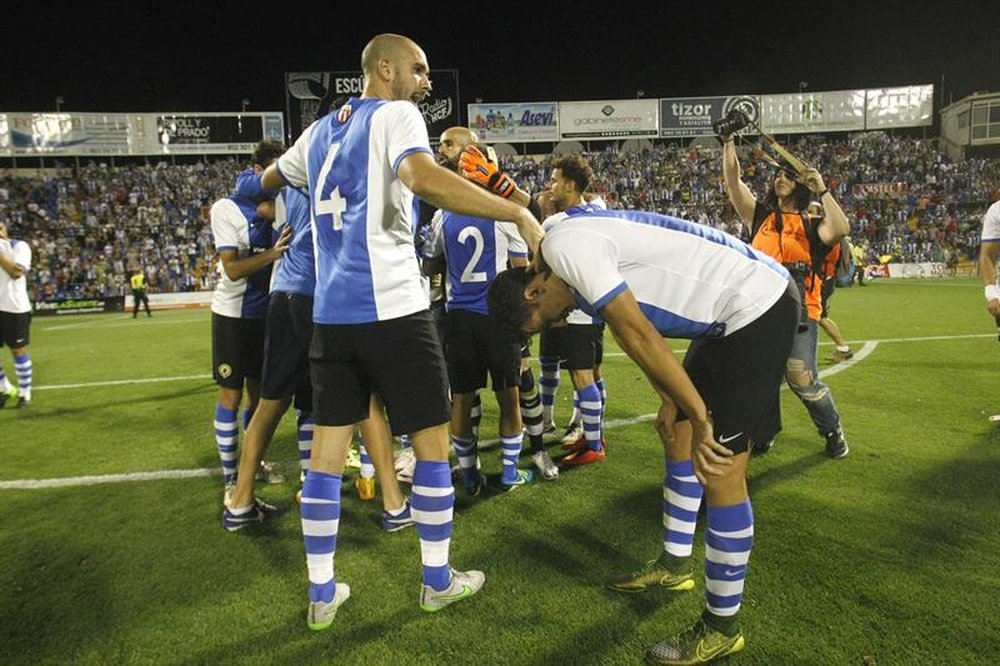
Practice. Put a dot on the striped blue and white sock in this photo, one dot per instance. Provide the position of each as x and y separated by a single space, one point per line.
681 499
23 370
367 470
226 437
306 423
510 452
247 415
465 451
590 414
728 542
548 384
432 501
604 401
320 510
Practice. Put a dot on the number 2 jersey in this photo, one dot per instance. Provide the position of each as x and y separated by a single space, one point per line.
475 250
363 216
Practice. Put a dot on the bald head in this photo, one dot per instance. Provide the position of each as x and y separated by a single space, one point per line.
395 68
453 142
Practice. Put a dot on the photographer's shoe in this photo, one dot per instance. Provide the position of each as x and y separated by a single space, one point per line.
836 445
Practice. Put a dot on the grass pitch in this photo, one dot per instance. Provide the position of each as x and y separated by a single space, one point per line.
889 556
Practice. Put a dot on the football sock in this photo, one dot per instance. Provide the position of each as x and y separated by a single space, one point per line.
226 435
476 413
5 385
367 468
320 510
590 412
843 348
604 399
728 542
548 384
306 423
247 415
531 410
23 370
510 451
576 407
465 451
681 499
432 502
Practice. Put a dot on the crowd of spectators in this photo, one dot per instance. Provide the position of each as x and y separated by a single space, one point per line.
91 226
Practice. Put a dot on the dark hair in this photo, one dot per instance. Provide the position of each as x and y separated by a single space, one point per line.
576 169
267 151
801 194
509 311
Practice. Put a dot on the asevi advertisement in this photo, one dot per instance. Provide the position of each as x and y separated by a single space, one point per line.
515 123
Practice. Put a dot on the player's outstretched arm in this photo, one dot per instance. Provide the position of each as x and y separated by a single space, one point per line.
237 268
475 166
445 189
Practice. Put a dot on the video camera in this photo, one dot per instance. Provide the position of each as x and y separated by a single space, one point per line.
731 123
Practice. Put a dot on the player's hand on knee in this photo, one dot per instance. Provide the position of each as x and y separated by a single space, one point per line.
666 417
711 459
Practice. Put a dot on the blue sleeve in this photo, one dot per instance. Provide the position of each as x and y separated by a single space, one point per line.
248 186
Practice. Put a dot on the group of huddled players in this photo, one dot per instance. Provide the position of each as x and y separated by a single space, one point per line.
344 327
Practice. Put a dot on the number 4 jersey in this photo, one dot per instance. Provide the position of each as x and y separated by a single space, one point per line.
363 216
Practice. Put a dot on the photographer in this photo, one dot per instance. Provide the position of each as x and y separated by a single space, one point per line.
780 227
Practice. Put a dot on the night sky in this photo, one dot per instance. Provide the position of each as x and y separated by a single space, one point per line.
208 56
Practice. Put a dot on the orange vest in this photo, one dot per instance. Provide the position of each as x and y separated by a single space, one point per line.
791 248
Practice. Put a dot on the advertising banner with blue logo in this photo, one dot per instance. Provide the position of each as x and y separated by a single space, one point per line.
693 116
608 119
310 95
523 122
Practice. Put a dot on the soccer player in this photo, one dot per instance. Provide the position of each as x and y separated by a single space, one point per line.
15 316
649 276
989 253
139 296
246 245
470 251
580 343
372 326
285 375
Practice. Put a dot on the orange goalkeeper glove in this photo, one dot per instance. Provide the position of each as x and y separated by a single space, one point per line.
475 166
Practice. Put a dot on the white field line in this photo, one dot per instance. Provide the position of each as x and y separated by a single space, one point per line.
118 323
120 382
35 484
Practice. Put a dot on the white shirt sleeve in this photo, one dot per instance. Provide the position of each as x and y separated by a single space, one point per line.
226 222
293 165
406 132
587 262
516 247
22 255
991 224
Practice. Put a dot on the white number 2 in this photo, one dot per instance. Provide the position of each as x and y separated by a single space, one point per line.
334 204
469 275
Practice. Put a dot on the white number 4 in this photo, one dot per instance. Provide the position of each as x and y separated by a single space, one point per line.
334 204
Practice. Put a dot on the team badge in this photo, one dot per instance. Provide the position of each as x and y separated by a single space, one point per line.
225 370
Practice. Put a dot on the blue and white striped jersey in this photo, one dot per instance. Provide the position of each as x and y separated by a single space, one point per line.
236 226
363 216
295 272
690 280
577 316
475 250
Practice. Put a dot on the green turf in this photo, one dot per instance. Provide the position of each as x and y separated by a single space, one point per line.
889 556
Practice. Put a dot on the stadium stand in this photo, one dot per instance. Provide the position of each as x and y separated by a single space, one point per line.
907 200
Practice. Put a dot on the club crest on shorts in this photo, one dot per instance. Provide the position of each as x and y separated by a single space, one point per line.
224 370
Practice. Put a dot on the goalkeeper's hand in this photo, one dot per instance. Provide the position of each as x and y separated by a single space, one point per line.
476 167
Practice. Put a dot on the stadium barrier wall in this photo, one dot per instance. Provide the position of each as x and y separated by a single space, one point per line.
175 301
67 306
